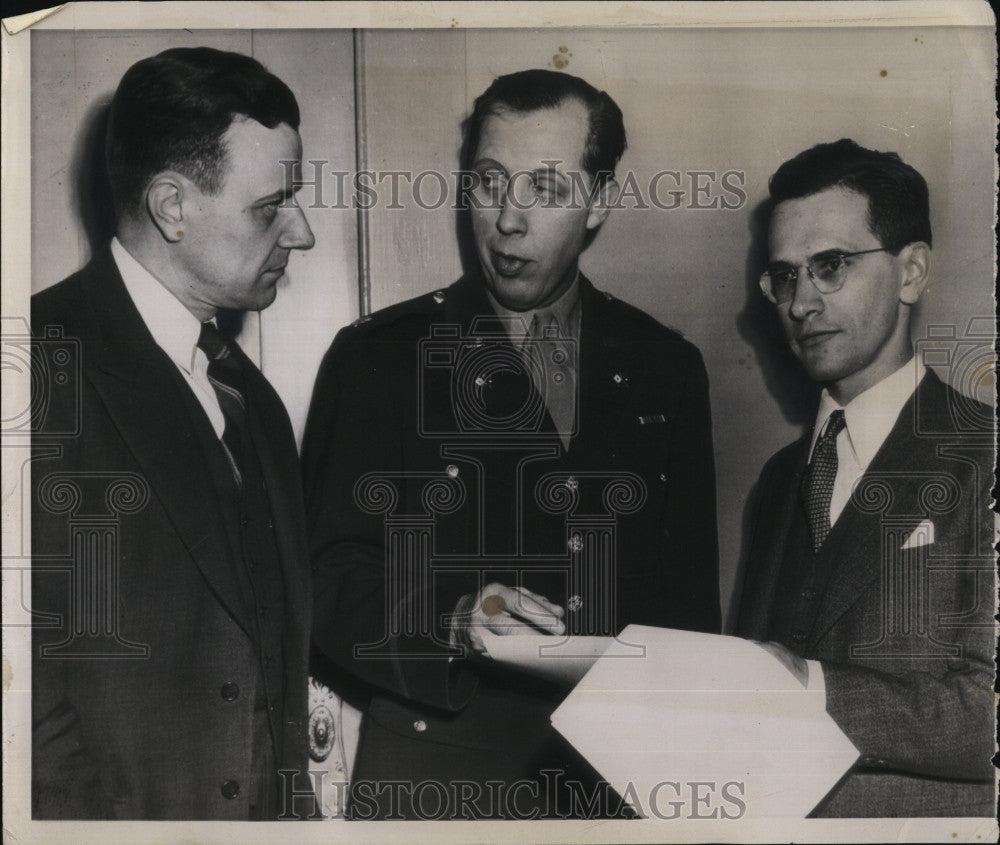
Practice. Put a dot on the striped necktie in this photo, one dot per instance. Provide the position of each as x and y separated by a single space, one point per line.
226 377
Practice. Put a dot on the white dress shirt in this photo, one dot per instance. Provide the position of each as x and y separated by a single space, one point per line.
869 418
173 327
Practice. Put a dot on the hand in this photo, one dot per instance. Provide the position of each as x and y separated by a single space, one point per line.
792 662
503 610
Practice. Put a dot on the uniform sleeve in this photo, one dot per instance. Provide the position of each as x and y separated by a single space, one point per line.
355 426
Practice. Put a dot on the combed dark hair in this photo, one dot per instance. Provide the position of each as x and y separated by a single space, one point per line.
898 201
171 110
529 90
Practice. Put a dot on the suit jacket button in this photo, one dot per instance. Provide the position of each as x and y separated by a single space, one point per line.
230 691
230 789
798 636
809 595
420 726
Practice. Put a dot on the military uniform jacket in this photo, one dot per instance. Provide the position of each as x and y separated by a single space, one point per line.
142 704
903 620
431 470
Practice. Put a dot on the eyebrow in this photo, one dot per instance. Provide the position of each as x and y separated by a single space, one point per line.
538 171
836 250
280 194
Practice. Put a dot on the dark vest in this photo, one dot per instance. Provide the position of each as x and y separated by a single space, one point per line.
249 527
803 581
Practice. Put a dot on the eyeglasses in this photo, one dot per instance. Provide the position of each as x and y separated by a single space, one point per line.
827 271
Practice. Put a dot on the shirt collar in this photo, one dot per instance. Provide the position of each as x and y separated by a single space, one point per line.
174 328
871 415
566 310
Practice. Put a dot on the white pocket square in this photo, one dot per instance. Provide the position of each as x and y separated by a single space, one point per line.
922 535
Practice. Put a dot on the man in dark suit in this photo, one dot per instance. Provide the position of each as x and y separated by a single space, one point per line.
519 453
871 567
170 577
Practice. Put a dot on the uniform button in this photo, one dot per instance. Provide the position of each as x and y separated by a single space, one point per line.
574 603
575 543
798 636
420 726
230 789
663 477
452 470
572 483
230 691
439 296
809 595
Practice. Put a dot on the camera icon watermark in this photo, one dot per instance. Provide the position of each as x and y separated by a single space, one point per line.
484 384
51 363
967 361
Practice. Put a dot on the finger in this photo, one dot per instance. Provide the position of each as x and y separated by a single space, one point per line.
550 606
499 601
506 624
537 613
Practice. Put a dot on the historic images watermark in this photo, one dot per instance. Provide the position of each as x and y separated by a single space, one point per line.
553 797
552 186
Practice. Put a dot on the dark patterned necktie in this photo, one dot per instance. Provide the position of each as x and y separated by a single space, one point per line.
226 377
819 478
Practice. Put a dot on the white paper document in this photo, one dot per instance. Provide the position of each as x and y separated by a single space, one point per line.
668 716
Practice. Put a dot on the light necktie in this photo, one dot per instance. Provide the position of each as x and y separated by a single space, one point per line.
554 370
819 478
226 378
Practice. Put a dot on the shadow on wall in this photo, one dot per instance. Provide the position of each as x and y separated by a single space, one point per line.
89 174
92 196
759 325
787 383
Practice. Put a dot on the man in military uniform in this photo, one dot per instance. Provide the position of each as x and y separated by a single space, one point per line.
517 454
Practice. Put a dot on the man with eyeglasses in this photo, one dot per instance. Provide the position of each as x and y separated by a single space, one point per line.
871 567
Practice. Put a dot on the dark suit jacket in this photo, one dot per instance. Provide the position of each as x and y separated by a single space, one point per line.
159 717
398 400
905 635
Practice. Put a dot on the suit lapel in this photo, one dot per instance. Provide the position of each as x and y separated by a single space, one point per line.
137 383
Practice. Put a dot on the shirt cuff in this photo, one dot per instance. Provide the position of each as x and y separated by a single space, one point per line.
816 681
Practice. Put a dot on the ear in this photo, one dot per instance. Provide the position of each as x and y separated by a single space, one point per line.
916 260
602 204
165 204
